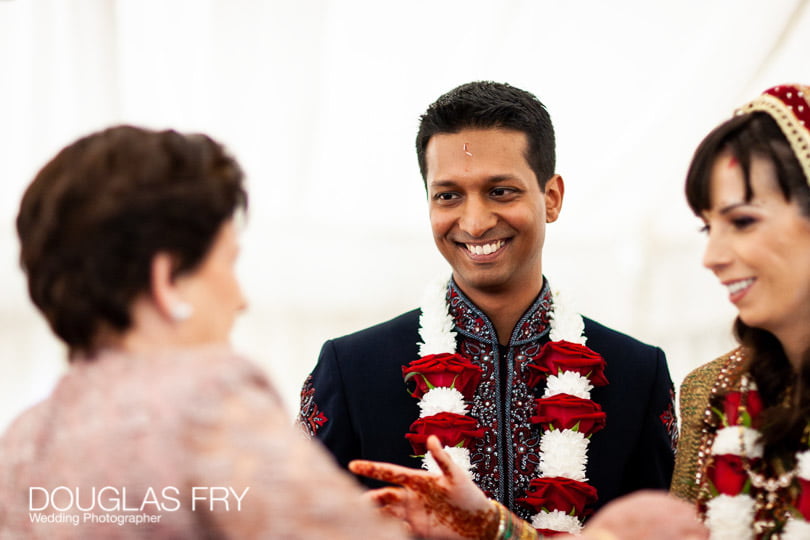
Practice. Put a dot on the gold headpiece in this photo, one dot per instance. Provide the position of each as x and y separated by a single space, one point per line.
789 105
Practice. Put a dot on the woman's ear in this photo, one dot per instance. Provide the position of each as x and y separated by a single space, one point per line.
164 291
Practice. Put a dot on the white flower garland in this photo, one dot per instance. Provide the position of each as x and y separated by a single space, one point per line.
563 453
442 399
732 517
797 528
557 520
435 323
738 441
437 335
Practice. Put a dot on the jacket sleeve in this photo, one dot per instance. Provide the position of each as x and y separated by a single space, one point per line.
654 457
695 393
324 412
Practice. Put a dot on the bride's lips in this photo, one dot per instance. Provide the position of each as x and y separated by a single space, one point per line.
738 288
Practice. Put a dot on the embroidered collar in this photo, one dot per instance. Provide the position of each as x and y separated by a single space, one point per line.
469 320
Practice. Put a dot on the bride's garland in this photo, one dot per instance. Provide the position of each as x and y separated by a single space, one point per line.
737 502
445 381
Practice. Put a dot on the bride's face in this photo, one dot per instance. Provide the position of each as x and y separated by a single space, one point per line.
759 249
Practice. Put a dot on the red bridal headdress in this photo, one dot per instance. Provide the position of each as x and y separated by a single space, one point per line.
789 105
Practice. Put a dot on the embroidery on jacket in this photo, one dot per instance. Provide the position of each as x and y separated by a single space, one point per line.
519 454
670 421
310 417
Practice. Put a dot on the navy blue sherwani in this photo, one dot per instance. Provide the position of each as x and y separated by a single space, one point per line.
355 401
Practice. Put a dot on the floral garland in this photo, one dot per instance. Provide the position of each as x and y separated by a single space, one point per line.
733 510
446 381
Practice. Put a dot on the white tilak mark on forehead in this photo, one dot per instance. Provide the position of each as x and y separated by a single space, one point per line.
467 151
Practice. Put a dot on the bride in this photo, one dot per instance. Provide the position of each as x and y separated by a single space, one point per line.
743 457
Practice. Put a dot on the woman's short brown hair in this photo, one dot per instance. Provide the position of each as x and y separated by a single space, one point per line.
94 217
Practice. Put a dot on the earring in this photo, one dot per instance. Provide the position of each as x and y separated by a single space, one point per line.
181 311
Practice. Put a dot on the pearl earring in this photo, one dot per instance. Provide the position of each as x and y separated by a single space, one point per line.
181 311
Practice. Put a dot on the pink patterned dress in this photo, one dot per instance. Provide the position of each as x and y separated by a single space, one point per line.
181 444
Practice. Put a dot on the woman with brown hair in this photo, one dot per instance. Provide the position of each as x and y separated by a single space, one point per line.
129 239
746 416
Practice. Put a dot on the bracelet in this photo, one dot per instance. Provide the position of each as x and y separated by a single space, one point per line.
501 520
511 527
525 531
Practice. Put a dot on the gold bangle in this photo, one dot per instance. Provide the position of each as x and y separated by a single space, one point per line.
501 520
511 527
526 531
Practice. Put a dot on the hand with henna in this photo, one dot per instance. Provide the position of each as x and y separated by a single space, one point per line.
446 506
449 506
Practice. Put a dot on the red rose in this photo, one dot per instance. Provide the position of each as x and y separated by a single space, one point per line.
803 501
727 474
564 411
559 493
451 429
731 406
443 370
557 356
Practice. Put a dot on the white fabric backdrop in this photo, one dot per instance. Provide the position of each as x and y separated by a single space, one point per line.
320 99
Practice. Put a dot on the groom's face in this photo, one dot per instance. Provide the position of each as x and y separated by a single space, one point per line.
487 211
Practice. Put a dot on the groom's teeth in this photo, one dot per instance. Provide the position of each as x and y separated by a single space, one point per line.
485 249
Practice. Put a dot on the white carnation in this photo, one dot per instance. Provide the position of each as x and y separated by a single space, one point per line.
803 464
796 529
557 520
730 517
564 453
460 456
566 323
442 399
435 323
738 441
568 382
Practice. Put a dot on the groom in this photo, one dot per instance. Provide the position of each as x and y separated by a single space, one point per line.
486 152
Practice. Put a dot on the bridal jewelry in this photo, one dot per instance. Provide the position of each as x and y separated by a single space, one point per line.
762 506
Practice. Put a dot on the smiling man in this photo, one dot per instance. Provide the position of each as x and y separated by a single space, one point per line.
542 405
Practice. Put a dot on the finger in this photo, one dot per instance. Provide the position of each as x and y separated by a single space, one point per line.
387 472
448 467
394 512
387 495
391 501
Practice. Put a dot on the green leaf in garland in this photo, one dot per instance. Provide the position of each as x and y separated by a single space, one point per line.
721 416
414 374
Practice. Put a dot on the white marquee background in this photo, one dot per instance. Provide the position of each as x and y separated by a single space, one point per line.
319 100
